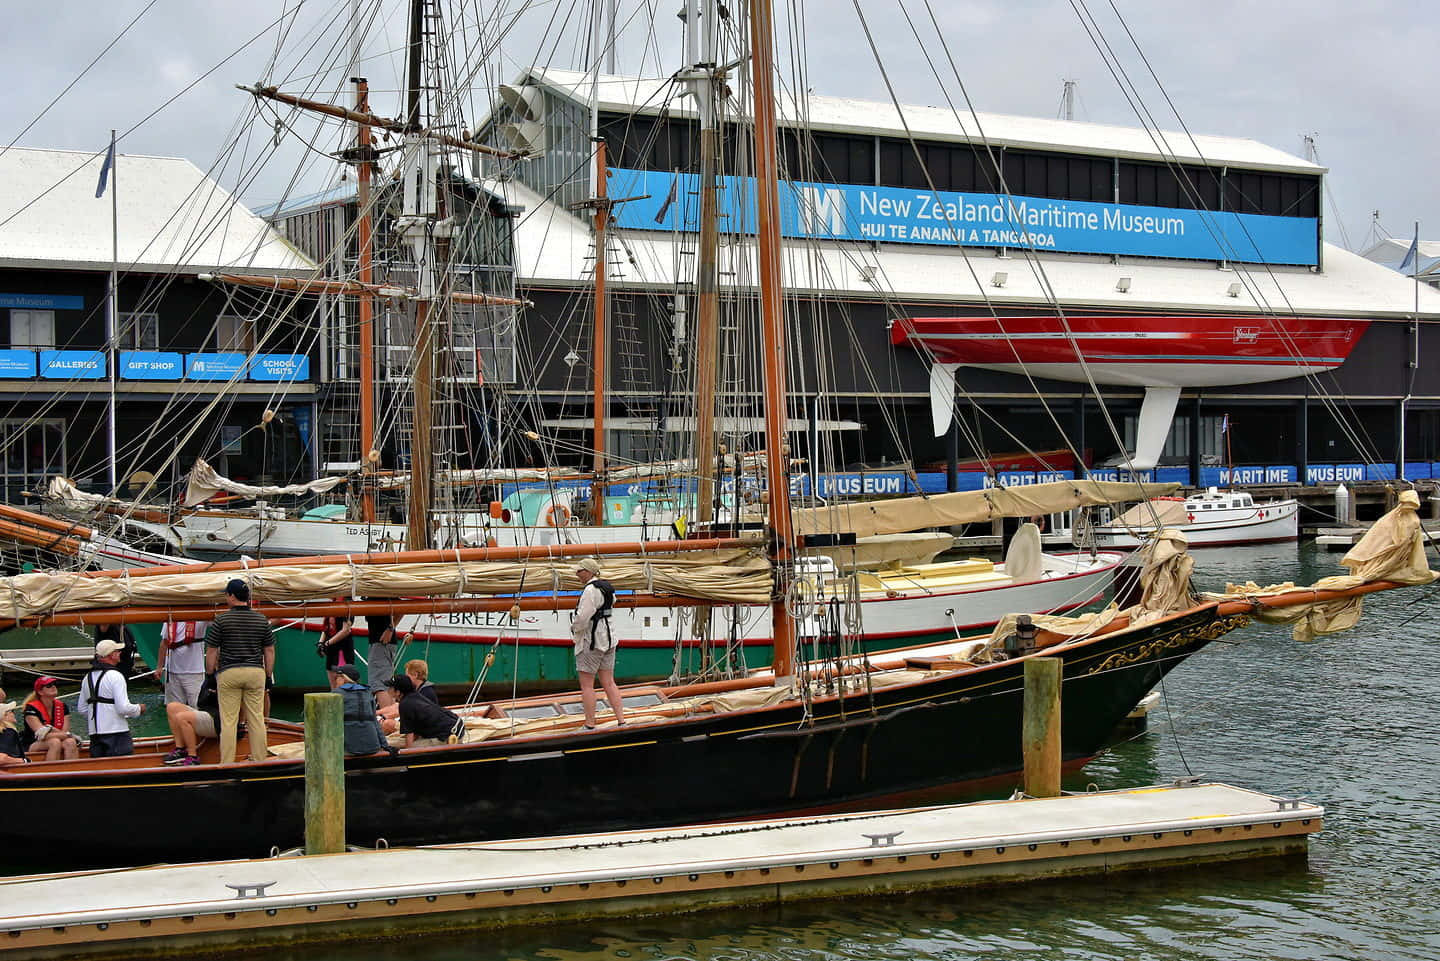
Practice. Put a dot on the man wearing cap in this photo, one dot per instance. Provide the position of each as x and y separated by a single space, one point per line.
240 652
105 696
594 644
362 727
423 722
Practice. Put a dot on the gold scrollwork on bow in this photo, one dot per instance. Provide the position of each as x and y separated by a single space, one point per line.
1214 630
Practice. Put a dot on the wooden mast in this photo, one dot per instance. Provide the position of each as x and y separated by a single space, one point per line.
772 318
418 223
707 286
600 345
365 242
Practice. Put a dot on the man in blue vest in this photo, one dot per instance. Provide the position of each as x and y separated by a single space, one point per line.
594 644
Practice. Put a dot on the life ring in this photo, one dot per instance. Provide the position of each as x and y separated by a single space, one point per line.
555 514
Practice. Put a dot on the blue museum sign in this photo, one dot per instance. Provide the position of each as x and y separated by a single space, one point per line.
41 302
151 365
72 365
214 366
17 363
278 367
905 216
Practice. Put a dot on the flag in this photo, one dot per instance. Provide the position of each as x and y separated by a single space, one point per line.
669 199
105 169
1412 255
1225 424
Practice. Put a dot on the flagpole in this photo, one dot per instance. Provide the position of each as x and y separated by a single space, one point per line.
112 312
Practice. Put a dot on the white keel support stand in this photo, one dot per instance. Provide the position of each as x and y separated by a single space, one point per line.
1157 411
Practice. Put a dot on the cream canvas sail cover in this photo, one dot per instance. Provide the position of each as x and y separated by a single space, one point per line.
733 576
868 518
205 482
1152 514
1392 550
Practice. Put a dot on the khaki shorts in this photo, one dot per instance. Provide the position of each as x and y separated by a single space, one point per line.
204 724
593 662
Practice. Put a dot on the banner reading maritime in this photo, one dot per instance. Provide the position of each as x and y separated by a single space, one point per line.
904 216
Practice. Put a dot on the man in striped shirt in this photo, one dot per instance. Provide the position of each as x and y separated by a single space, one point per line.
240 651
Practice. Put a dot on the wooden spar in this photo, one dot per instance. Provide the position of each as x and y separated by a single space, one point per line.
600 339
300 610
1304 595
707 312
49 540
354 288
32 519
366 306
394 126
767 192
464 555
422 226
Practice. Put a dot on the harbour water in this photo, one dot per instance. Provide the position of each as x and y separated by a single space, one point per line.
1347 721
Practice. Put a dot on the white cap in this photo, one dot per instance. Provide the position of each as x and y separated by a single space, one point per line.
107 647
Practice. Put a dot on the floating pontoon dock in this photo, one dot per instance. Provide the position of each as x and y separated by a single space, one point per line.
242 905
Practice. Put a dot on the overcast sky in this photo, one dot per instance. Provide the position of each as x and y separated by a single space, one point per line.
1359 77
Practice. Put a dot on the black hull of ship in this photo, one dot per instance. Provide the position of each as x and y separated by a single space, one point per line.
943 731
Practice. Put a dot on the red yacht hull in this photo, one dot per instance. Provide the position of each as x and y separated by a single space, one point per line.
1140 349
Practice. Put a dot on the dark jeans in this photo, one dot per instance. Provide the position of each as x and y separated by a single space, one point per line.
119 744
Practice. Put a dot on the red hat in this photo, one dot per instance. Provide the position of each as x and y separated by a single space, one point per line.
45 681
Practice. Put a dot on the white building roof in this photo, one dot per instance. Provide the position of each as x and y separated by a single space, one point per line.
170 216
552 245
1391 252
875 118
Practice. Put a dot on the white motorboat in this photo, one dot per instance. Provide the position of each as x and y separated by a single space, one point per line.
1209 519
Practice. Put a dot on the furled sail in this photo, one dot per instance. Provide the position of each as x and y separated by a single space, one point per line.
205 482
725 576
866 518
1392 550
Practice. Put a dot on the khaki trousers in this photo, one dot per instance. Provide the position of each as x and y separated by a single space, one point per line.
237 686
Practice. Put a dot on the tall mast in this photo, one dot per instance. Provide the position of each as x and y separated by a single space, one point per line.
364 257
600 345
419 226
707 287
112 314
772 318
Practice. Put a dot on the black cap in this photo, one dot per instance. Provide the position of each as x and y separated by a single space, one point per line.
349 670
401 683
238 589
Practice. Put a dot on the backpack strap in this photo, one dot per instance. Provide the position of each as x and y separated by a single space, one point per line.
95 699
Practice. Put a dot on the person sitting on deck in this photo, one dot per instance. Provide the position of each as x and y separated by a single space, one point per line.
10 751
47 723
424 723
362 727
419 673
191 725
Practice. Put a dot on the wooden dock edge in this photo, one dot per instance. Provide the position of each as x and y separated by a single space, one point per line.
293 924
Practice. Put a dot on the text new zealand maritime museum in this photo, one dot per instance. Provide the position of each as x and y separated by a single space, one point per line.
905 216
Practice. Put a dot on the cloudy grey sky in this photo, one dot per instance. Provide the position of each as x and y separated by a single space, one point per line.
1358 76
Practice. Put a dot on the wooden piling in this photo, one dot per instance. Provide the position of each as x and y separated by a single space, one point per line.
1040 734
324 774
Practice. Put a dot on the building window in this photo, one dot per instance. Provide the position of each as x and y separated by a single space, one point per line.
140 331
32 328
234 333
34 450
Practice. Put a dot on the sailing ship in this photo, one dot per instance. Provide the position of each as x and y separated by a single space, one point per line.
820 727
